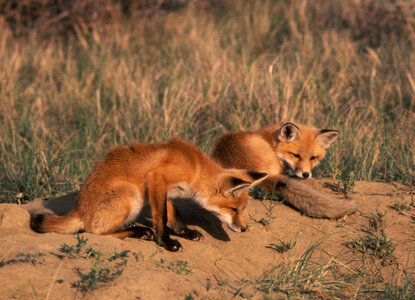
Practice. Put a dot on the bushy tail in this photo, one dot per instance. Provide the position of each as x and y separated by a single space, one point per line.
307 199
70 223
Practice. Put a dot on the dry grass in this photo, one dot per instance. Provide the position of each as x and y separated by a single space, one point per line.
147 74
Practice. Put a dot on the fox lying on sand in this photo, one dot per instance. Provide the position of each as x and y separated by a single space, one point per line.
130 176
275 149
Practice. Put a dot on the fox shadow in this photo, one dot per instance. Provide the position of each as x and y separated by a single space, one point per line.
188 211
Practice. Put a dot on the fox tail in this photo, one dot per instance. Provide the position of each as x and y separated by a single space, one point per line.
308 200
70 223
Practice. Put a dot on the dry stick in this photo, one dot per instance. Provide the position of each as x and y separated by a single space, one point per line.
53 281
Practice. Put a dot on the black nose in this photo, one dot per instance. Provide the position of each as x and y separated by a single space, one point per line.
306 174
243 229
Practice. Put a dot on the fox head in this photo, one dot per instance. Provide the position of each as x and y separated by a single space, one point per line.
301 148
229 198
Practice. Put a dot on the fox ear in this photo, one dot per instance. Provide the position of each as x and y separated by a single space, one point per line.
237 185
326 137
257 176
288 133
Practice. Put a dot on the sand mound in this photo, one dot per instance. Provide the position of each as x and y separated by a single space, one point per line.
14 217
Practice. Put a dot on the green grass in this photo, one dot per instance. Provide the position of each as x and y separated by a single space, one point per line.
282 246
366 268
318 274
197 72
104 268
402 206
75 250
99 274
346 182
375 243
179 266
33 258
269 198
259 193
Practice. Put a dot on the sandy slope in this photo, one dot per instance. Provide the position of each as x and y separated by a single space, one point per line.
221 257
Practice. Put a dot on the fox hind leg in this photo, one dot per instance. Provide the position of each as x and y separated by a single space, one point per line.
141 232
115 208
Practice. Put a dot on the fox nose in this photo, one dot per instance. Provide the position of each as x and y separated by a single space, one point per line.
306 174
243 229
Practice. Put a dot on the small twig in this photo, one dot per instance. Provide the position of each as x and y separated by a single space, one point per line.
53 281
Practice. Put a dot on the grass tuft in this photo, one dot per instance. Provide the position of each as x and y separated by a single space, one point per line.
282 246
104 269
97 276
75 251
179 266
375 242
33 258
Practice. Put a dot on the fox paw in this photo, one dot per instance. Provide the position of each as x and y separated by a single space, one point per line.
143 233
172 245
192 235
148 235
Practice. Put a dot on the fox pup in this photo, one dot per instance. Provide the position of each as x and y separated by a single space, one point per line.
274 150
131 176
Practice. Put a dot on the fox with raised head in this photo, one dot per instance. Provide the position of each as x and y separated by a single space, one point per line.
276 149
130 176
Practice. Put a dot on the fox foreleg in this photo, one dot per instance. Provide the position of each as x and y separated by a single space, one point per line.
178 228
157 193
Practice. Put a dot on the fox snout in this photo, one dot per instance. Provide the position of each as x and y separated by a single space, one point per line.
237 227
302 174
237 223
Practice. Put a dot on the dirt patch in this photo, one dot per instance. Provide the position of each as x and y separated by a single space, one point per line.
224 264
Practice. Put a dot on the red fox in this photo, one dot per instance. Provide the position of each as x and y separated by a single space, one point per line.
275 149
130 176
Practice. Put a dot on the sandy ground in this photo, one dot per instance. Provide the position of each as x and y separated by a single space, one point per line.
219 260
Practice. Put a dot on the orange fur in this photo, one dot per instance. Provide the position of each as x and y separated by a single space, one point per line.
274 150
131 176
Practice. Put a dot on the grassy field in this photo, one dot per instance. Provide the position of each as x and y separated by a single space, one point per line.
67 95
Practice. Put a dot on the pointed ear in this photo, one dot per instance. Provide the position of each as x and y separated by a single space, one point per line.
288 133
237 185
326 137
257 177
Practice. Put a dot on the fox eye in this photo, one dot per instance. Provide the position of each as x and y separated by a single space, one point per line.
296 155
313 157
234 209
